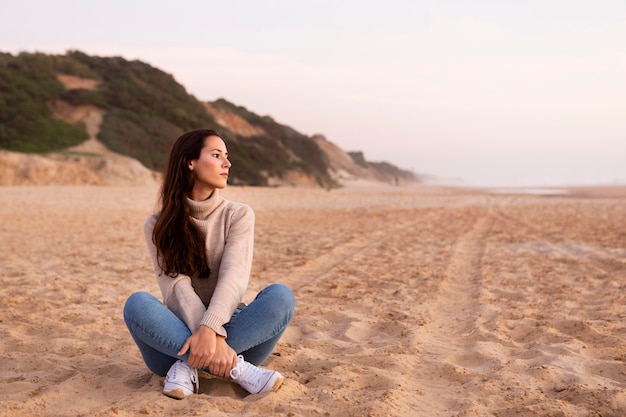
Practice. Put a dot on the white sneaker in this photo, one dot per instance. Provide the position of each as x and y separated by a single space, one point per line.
180 381
253 379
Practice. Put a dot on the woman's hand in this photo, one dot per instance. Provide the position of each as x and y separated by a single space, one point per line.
207 349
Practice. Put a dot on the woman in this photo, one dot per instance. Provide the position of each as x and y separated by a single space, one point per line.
201 248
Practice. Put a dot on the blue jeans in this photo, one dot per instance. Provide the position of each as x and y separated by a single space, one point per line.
252 332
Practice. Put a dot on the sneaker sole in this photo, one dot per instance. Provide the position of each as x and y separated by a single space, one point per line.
176 394
204 374
277 383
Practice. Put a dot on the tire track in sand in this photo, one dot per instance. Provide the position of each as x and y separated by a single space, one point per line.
348 331
445 340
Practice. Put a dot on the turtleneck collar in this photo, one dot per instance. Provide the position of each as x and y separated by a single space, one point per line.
200 210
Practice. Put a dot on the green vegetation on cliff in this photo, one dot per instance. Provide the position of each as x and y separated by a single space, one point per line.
27 84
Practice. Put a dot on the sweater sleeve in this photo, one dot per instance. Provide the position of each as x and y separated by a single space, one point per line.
235 267
178 293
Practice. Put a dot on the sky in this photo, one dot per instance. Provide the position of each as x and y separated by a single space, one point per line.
477 92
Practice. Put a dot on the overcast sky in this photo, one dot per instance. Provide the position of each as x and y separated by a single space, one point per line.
495 92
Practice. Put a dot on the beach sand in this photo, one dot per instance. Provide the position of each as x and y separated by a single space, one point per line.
411 301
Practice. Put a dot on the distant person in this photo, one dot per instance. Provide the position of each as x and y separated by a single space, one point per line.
201 247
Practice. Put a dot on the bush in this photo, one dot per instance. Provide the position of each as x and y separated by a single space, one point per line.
26 86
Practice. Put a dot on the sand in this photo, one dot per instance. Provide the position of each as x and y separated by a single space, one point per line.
411 301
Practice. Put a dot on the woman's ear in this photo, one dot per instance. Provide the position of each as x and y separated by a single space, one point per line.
190 165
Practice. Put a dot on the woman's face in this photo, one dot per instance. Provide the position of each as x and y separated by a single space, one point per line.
211 168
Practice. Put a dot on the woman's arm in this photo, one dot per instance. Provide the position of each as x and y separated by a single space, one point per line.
178 293
235 267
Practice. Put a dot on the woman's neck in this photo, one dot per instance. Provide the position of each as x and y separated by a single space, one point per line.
201 194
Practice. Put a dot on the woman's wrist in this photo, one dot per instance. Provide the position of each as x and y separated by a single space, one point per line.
204 328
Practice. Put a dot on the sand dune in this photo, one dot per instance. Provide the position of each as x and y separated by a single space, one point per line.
410 301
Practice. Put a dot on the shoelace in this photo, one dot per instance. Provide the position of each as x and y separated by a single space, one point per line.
189 372
247 373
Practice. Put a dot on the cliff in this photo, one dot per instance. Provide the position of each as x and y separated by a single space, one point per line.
74 118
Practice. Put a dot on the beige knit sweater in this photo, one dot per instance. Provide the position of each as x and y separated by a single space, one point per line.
229 231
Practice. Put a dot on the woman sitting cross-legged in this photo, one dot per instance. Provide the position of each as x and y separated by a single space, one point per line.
201 246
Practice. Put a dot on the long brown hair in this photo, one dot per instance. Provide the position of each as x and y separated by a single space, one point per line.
180 245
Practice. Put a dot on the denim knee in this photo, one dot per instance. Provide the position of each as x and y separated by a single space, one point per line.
135 304
282 298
